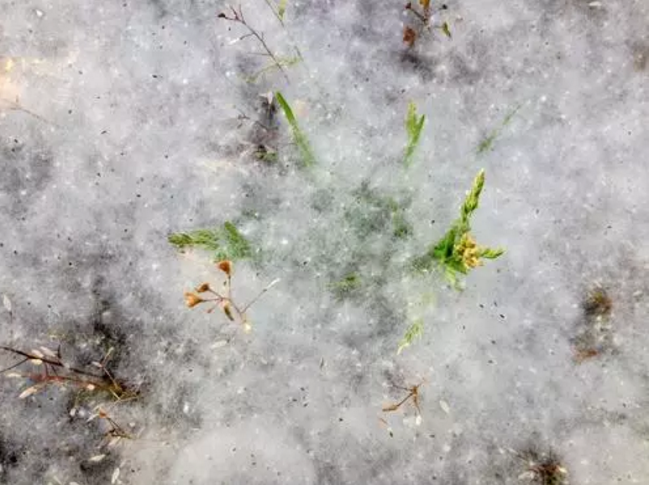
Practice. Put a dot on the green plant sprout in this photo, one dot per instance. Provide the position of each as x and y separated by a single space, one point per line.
281 9
278 10
414 332
226 242
487 144
415 311
308 159
458 252
414 127
446 29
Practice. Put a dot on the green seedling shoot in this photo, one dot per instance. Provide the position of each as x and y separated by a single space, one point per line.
414 332
487 144
414 127
278 9
308 159
458 252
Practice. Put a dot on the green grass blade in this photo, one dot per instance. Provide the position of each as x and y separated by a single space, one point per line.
414 127
281 9
487 144
308 159
472 200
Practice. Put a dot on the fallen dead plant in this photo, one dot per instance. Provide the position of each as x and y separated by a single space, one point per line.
205 294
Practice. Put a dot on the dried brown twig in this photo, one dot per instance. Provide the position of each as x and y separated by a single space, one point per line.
16 106
115 432
413 394
55 371
225 301
411 33
596 335
543 468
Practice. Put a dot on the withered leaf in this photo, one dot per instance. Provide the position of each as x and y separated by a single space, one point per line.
409 36
28 392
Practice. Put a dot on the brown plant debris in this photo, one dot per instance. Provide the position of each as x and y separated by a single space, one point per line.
224 299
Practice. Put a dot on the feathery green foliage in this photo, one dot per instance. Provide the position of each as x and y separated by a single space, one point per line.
415 331
414 127
226 242
308 159
458 252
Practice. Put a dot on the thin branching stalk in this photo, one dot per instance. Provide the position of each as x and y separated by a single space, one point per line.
225 301
55 371
238 17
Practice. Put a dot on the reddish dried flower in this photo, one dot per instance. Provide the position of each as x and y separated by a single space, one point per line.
191 299
226 267
203 288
